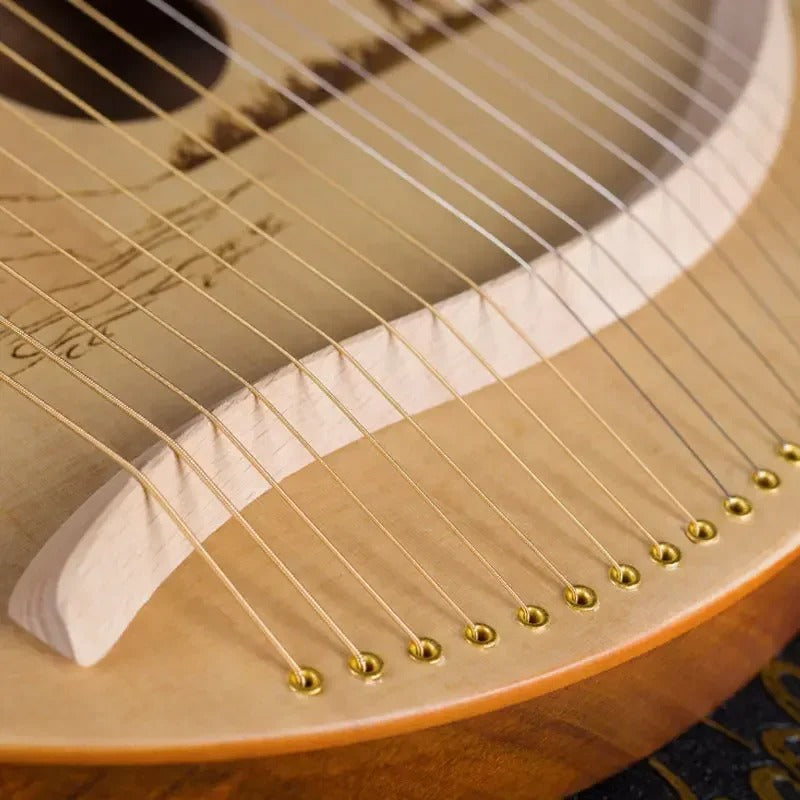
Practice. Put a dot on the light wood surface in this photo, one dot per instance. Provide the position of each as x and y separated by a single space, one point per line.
211 686
96 572
545 748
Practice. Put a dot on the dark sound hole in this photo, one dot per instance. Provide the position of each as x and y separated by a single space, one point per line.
155 29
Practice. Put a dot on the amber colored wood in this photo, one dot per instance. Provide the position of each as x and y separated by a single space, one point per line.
234 695
98 597
545 748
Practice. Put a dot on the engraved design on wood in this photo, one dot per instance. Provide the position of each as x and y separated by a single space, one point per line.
69 596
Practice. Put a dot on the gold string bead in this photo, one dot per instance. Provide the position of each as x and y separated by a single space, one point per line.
766 480
428 651
367 666
581 598
307 681
701 531
666 554
533 616
481 635
789 451
737 506
625 576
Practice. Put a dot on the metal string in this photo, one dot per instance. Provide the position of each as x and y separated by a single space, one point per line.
259 232
392 330
673 149
653 134
762 115
742 59
411 54
219 427
497 169
258 395
328 122
602 191
125 87
117 458
640 57
269 138
586 130
152 490
719 40
187 80
673 43
718 115
711 107
493 112
310 375
182 454
735 54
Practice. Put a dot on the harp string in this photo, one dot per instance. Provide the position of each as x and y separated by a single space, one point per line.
669 146
710 106
266 136
321 386
752 464
713 37
601 190
718 115
543 485
587 130
736 55
762 115
221 428
426 191
110 397
412 55
552 105
448 386
317 382
257 394
210 484
151 490
634 52
669 39
527 136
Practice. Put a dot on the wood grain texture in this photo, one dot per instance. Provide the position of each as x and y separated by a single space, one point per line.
544 748
96 572
206 676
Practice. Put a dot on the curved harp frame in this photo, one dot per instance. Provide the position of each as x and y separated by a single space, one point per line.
76 578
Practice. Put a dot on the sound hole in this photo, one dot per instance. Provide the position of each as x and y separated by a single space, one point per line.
147 23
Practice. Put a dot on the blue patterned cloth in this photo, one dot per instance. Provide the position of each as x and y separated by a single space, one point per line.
749 749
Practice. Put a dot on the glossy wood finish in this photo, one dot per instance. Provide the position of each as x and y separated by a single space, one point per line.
229 699
100 567
544 748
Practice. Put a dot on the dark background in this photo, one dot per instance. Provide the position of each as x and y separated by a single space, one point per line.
727 756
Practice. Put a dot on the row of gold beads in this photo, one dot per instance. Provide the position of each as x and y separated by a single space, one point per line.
369 666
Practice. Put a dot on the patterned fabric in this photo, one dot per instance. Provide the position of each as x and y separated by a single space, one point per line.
749 748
